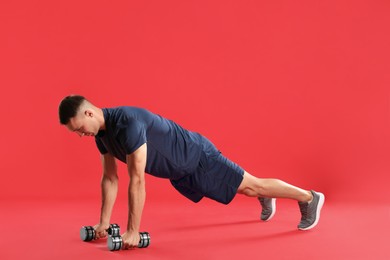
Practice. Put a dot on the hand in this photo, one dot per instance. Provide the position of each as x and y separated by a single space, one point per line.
100 230
130 240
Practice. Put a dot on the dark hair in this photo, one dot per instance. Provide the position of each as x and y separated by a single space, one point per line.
69 107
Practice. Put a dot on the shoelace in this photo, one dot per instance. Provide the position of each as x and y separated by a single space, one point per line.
263 204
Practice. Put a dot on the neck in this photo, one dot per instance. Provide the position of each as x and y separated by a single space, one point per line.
100 118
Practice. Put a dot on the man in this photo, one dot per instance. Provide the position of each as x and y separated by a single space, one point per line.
147 142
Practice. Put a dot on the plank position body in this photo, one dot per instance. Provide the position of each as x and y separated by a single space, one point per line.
149 143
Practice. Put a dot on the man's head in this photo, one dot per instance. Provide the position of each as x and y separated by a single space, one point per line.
80 116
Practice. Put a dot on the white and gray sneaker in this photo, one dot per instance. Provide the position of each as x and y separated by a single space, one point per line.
268 208
311 211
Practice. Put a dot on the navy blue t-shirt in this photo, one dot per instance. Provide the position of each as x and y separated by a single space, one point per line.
172 151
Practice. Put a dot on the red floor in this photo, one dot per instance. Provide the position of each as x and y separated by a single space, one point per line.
182 230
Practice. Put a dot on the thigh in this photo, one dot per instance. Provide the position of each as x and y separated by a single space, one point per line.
218 178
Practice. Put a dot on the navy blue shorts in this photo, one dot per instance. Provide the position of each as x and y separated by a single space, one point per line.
216 177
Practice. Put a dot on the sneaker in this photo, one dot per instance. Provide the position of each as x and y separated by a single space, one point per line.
268 208
311 211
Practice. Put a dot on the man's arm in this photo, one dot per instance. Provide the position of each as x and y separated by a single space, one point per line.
109 187
136 163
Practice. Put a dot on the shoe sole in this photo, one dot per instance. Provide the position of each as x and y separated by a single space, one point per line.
273 203
318 212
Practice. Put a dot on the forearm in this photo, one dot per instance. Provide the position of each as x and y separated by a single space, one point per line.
137 196
109 188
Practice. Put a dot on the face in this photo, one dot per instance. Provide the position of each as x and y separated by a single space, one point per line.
84 124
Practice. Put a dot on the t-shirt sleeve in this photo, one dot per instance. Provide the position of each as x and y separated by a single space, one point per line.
132 136
100 146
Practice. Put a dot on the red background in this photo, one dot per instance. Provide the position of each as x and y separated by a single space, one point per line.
293 90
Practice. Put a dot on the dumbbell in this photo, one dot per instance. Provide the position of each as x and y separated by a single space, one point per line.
114 243
87 233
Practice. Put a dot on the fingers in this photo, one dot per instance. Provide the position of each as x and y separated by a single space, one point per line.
128 246
129 241
100 234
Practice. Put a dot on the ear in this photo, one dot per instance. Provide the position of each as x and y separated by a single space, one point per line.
88 113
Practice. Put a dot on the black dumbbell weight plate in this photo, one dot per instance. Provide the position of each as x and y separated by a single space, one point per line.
144 239
87 233
114 230
114 243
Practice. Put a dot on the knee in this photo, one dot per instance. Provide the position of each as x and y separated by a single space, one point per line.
252 186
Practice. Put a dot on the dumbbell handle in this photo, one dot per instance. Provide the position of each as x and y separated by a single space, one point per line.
87 233
115 243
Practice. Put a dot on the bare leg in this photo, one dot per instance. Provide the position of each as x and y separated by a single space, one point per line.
272 188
